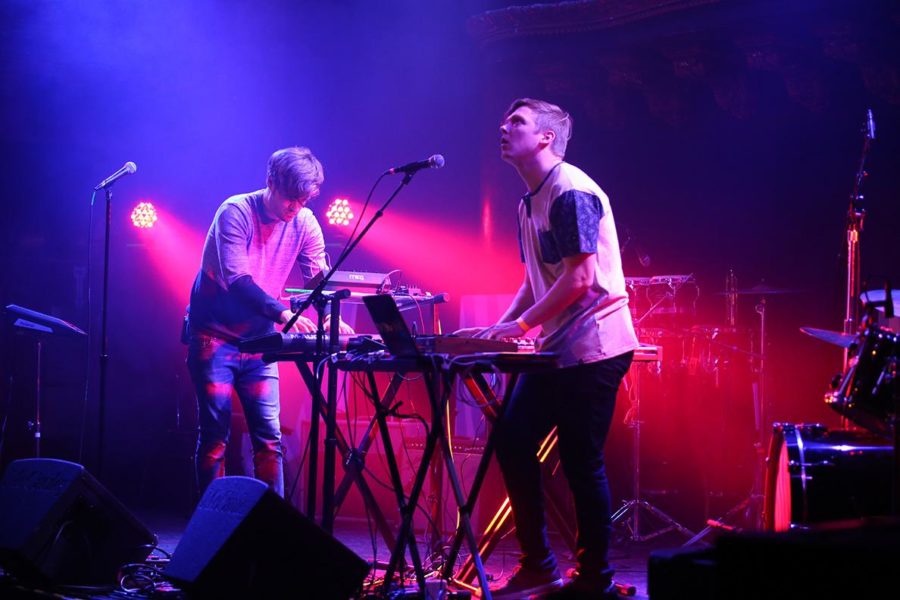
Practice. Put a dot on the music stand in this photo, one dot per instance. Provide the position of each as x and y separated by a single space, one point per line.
37 324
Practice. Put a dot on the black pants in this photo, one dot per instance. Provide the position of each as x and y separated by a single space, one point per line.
579 401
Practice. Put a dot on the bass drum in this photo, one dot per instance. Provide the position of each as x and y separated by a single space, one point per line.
814 475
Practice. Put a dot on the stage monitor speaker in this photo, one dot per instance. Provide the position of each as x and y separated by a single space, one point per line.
685 572
58 525
836 560
246 541
852 559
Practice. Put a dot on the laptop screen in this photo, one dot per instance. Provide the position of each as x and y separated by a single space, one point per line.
390 325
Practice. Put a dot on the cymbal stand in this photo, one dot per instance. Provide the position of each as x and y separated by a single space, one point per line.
751 506
634 506
856 214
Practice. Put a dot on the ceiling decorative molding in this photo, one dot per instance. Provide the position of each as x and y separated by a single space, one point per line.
671 53
571 17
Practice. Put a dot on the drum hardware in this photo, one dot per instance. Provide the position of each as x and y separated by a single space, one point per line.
661 295
867 391
731 298
704 348
752 506
634 506
856 214
876 299
763 289
882 307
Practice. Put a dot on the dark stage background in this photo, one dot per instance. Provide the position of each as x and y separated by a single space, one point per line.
738 153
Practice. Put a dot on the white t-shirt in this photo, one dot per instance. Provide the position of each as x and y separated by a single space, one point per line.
571 215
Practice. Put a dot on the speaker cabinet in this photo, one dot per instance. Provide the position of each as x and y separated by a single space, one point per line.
851 559
246 541
59 525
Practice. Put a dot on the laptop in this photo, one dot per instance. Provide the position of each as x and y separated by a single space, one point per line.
391 327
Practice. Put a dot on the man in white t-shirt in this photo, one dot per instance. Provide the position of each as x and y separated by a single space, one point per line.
574 289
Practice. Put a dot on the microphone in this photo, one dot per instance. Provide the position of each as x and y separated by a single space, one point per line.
435 161
870 125
127 169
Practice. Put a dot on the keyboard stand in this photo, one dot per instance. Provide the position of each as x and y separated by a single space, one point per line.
352 458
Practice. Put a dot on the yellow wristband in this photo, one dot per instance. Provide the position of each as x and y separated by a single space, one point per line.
521 323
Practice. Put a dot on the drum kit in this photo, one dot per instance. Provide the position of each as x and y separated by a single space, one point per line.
713 360
804 474
815 475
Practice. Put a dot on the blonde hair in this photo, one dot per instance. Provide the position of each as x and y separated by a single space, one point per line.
548 116
295 172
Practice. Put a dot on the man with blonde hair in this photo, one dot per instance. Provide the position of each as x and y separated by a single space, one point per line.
574 289
250 249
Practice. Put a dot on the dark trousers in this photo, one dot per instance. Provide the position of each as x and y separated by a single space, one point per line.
579 401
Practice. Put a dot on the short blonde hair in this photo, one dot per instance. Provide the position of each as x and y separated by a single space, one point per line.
295 172
548 116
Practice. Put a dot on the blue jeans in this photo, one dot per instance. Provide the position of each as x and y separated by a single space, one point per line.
218 371
578 401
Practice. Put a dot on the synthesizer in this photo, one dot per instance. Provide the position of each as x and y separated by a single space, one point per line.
299 343
294 343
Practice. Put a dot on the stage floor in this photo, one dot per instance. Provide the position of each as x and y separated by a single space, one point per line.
628 558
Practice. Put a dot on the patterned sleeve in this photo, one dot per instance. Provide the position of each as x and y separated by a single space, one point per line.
575 223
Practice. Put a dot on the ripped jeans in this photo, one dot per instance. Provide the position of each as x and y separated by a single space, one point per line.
218 371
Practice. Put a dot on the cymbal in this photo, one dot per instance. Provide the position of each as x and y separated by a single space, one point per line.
877 297
761 289
837 338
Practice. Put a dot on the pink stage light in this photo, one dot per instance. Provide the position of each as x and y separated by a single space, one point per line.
144 215
173 250
339 212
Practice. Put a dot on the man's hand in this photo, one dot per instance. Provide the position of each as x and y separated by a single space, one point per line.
507 329
468 332
343 328
302 325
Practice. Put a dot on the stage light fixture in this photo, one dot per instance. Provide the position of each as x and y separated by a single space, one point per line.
144 215
339 212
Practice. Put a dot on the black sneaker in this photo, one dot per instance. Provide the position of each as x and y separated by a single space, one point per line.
525 583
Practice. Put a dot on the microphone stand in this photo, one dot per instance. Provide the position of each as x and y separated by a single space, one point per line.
104 341
317 296
856 214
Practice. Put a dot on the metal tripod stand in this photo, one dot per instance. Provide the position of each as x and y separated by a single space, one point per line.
751 507
629 513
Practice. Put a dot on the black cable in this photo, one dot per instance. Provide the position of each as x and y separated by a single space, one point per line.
361 214
293 487
87 363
